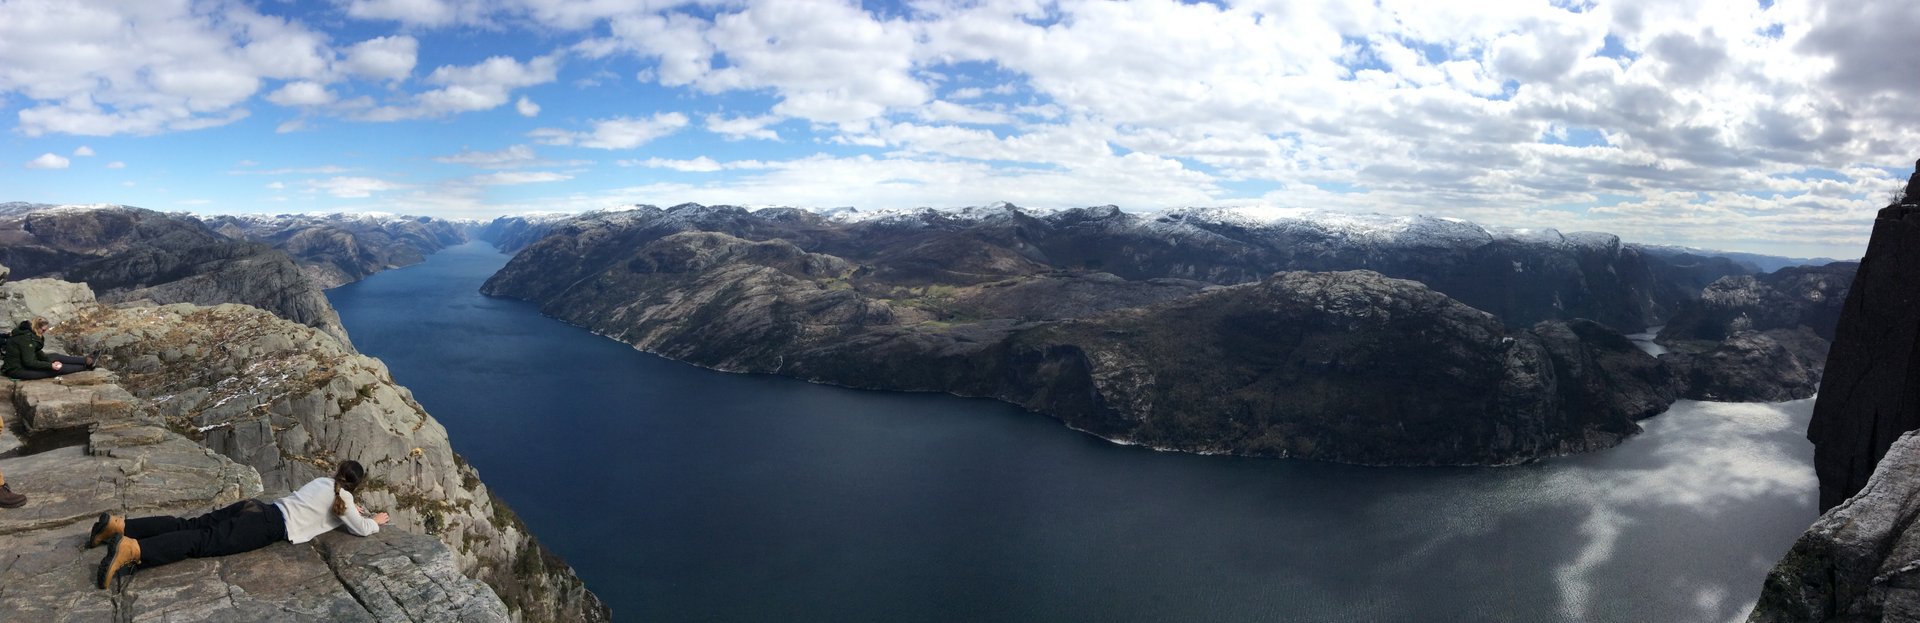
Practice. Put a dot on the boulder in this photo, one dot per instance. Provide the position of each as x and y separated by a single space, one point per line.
77 399
57 301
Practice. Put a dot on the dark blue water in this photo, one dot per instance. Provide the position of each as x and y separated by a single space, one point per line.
682 494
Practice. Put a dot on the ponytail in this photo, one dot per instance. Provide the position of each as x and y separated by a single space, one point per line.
348 477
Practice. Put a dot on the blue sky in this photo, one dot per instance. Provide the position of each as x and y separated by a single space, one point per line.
1776 127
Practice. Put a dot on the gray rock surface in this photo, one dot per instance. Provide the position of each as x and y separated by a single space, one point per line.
133 465
77 399
1861 560
57 301
290 402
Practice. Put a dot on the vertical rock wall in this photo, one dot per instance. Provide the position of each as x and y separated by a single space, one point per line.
1871 393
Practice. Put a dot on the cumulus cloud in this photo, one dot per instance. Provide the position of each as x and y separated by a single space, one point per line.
383 58
98 68
616 133
482 86
47 161
737 128
700 164
1618 116
116 165
302 93
83 151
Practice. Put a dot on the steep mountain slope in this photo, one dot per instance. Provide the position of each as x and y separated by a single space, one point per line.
1149 347
127 253
336 249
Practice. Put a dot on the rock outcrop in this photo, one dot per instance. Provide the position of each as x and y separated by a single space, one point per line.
1169 362
1799 296
1345 366
1758 338
129 254
336 249
1861 560
281 403
1874 393
128 462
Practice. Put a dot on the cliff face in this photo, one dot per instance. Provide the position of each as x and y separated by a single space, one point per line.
127 254
336 249
1856 562
282 404
1346 366
1758 338
1873 395
510 234
1169 362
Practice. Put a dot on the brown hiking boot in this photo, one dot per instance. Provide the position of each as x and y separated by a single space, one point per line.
9 499
106 527
123 553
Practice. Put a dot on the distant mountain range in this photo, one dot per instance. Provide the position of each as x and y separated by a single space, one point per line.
1196 329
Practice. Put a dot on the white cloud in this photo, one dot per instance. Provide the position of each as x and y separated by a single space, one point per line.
526 107
800 50
47 161
701 164
419 12
513 157
290 125
103 68
345 187
383 58
301 93
616 133
504 178
482 86
737 128
276 186
83 151
116 165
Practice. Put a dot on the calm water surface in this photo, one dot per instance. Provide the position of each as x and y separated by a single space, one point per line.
682 494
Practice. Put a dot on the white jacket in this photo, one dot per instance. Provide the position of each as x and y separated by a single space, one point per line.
309 512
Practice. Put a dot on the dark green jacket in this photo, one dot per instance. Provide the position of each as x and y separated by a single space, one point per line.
24 351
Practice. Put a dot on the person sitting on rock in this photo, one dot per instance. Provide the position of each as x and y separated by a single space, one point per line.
316 508
26 359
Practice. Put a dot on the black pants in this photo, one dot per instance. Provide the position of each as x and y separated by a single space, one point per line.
69 364
242 526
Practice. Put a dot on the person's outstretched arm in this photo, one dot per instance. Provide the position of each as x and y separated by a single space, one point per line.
358 524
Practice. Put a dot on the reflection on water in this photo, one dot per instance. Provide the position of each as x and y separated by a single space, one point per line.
685 494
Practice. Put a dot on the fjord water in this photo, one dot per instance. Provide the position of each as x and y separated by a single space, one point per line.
683 494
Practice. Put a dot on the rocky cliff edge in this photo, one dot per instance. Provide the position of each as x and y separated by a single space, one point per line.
208 405
1861 559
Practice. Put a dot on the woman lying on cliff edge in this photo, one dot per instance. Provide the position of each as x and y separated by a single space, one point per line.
25 359
316 508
